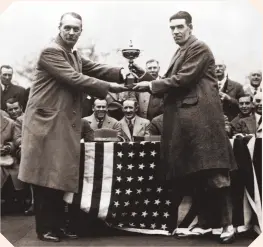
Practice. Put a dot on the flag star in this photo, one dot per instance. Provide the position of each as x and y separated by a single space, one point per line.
131 143
168 202
118 191
118 179
116 204
120 225
119 166
129 179
114 215
128 191
131 224
130 166
123 214
157 202
144 214
153 226
131 154
126 204
148 189
136 202
133 214
155 214
166 215
139 191
120 154
140 178
120 143
142 154
164 227
159 189
153 142
153 153
150 177
142 225
146 201
152 165
143 142
141 166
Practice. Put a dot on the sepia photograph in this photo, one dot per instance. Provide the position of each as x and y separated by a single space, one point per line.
131 123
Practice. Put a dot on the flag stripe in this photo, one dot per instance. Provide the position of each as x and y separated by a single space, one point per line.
88 176
98 175
77 197
107 179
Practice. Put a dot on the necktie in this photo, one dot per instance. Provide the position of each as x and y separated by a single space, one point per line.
130 126
255 90
100 124
259 121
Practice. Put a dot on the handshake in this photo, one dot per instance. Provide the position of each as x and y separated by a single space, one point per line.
134 72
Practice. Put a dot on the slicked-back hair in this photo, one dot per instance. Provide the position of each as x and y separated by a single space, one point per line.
6 67
246 95
182 15
14 100
152 61
74 14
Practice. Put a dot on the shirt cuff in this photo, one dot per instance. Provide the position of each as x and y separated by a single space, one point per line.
151 86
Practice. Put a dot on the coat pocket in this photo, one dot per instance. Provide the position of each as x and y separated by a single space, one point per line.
189 101
42 121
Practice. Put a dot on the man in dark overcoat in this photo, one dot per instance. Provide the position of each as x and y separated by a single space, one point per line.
195 147
51 133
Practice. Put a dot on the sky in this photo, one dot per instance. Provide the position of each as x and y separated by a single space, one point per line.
231 28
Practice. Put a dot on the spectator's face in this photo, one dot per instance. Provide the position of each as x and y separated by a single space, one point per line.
245 105
153 69
180 30
258 104
14 110
100 108
255 78
220 71
6 76
129 109
70 29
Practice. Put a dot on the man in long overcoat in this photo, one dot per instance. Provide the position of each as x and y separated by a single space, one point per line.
195 147
52 124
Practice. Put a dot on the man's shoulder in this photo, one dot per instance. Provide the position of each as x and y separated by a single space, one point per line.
142 120
234 83
52 46
111 119
17 87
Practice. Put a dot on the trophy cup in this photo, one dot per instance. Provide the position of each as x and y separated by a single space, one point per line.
130 53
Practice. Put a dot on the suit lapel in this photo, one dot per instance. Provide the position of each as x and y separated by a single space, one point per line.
125 129
228 87
4 123
137 126
174 58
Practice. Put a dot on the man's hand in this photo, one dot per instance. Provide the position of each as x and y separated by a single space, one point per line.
137 70
117 88
5 150
224 96
143 86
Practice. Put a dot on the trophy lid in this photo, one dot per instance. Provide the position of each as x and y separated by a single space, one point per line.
130 52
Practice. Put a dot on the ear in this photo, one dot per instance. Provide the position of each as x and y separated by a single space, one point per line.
190 25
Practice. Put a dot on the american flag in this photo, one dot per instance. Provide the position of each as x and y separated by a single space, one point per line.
118 185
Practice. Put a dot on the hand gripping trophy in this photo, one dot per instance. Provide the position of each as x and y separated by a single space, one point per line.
131 53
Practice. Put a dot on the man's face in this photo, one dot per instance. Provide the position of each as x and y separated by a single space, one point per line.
220 70
6 76
129 109
258 104
70 29
14 110
100 108
255 78
180 30
153 69
245 105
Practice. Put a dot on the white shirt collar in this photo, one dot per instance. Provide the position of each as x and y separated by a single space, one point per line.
3 86
222 83
132 120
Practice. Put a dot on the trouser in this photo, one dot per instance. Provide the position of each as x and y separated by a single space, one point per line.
50 212
211 199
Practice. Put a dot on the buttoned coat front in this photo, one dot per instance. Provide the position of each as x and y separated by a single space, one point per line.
51 130
194 137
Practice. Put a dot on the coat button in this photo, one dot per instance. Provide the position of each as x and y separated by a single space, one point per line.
74 112
73 125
